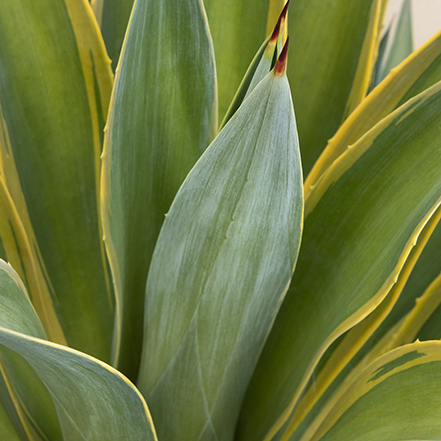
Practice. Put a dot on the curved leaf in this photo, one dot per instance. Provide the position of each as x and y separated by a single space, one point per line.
26 400
54 88
402 44
395 398
418 72
239 212
6 429
333 43
22 250
260 66
352 252
361 345
235 43
113 18
159 124
93 400
19 252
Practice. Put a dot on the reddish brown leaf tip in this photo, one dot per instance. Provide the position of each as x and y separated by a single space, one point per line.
284 11
280 67
275 33
282 16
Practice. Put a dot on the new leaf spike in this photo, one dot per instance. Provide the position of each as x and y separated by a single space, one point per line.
280 66
271 46
260 66
283 32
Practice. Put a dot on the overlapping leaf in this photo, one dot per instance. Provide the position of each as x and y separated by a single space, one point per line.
221 266
333 43
402 44
93 400
236 40
260 65
54 99
362 221
162 112
378 333
113 17
397 397
418 72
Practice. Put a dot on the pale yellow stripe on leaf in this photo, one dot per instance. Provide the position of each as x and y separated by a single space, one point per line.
351 321
16 217
354 152
105 191
368 379
274 10
22 256
361 333
366 61
376 106
98 7
19 408
424 307
97 72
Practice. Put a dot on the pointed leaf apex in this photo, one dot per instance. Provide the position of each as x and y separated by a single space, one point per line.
283 31
275 33
280 67
284 11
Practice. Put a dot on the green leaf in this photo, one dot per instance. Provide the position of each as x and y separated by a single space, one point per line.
161 114
7 431
24 397
395 398
113 17
235 41
376 74
365 218
402 44
333 43
59 86
364 342
93 400
419 293
239 212
254 71
20 253
418 72
260 66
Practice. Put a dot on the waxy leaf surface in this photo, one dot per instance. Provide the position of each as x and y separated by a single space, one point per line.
395 398
113 18
160 120
417 73
93 400
362 221
238 213
162 110
236 40
55 84
333 45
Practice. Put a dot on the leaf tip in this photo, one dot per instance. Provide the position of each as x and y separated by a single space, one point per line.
275 33
280 66
284 11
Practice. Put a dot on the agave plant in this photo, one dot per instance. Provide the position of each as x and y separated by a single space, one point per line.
172 277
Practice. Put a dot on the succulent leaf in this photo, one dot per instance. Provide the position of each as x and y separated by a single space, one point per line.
239 212
54 102
340 208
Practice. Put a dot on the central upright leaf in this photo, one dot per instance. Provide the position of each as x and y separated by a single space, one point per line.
220 269
160 119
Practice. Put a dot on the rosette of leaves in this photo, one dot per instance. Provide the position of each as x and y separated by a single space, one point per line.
188 260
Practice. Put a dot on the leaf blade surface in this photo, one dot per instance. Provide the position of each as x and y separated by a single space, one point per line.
239 212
